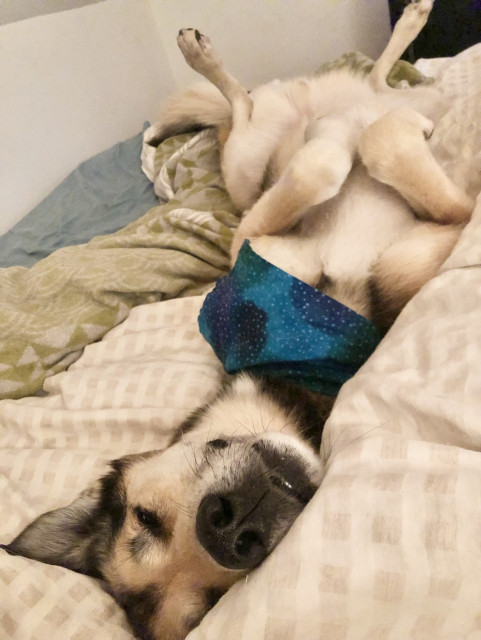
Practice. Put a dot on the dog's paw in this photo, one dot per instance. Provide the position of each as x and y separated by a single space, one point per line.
427 127
197 50
415 120
415 15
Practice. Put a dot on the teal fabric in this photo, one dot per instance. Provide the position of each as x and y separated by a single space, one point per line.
263 320
103 195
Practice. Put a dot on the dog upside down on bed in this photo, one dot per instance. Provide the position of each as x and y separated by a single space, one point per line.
335 166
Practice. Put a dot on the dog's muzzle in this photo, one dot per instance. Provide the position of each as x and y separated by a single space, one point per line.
239 527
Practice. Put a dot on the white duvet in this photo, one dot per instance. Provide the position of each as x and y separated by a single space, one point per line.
390 546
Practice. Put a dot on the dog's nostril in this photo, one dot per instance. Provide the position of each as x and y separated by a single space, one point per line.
220 511
248 543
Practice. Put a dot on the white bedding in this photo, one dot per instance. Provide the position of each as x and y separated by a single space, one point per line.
390 546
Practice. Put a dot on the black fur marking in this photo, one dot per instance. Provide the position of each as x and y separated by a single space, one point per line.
382 311
218 443
310 410
104 525
191 421
105 522
176 129
189 424
213 595
112 497
140 607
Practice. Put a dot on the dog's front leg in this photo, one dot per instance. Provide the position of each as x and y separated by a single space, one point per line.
315 174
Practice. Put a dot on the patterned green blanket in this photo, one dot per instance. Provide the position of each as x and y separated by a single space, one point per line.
50 312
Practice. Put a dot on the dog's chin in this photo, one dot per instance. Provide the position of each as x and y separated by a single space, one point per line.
241 519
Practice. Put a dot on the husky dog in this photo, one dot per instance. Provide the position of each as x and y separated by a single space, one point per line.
341 190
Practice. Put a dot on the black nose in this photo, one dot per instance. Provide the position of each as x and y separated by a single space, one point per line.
233 528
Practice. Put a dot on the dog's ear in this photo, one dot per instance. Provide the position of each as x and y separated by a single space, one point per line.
80 535
62 536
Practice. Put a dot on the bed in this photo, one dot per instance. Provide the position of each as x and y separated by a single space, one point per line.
101 356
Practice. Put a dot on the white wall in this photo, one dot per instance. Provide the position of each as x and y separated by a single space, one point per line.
264 39
72 84
76 82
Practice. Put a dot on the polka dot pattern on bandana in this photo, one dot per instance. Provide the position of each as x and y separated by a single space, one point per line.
263 320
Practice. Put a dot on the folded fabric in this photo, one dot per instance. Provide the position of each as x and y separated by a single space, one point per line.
261 319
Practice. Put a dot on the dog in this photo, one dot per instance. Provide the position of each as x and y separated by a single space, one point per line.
340 189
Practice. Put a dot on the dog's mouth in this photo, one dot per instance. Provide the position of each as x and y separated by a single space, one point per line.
241 523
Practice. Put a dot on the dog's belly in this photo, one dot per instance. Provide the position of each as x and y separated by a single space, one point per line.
356 226
353 230
336 244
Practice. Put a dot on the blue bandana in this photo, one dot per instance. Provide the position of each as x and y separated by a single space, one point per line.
263 320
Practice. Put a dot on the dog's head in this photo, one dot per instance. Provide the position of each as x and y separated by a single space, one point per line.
170 531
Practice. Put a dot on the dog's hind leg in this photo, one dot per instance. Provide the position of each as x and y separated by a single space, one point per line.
244 186
315 174
395 152
406 29
202 57
408 264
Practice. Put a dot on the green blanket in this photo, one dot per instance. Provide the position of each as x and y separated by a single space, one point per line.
50 312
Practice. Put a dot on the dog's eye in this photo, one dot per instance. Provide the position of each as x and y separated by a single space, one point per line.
150 520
